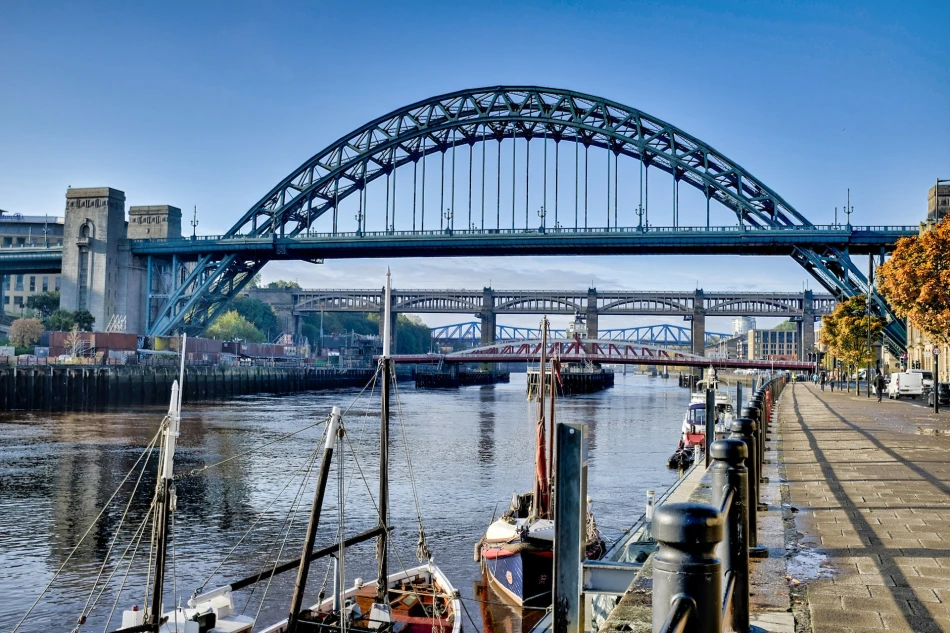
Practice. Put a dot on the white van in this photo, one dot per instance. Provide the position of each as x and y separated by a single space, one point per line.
926 376
905 384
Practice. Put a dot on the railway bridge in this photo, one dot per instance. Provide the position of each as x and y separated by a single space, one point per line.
486 304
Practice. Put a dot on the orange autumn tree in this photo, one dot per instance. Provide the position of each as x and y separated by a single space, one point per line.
846 331
916 281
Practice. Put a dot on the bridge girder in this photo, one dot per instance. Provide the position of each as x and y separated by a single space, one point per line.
406 135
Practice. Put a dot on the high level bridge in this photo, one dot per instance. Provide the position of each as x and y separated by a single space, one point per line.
694 305
503 170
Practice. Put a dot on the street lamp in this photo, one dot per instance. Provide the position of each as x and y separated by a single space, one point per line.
848 209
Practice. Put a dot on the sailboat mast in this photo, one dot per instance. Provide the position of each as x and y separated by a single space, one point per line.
304 569
539 502
549 510
381 582
166 490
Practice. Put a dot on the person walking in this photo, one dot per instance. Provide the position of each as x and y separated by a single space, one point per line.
879 384
832 381
821 379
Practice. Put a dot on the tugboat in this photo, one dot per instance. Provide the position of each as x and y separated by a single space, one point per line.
517 551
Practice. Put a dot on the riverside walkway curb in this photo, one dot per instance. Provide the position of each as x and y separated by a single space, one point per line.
868 509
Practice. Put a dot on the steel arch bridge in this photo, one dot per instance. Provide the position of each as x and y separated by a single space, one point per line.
202 279
659 334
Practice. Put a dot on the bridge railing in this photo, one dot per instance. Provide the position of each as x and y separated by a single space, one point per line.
824 228
701 569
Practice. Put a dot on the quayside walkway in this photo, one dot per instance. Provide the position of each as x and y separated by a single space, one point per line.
868 511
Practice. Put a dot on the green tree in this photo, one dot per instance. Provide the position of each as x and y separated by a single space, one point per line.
846 331
231 325
786 326
258 313
280 284
26 332
84 320
60 321
255 281
44 303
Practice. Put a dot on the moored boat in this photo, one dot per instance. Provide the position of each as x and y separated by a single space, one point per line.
517 550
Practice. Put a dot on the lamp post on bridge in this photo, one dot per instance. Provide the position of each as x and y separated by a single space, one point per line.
848 210
359 222
448 215
542 214
194 224
640 213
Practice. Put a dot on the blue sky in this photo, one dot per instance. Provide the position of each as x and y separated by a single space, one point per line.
210 104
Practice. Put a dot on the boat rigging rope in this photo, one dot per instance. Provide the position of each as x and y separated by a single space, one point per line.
293 515
86 533
422 547
115 604
84 614
197 471
260 517
174 571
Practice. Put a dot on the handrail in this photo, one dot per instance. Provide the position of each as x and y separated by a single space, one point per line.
727 499
681 611
703 555
540 231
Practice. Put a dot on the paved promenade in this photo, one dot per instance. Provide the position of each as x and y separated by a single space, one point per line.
868 502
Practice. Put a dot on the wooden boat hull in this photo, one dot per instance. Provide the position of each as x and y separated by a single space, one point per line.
412 594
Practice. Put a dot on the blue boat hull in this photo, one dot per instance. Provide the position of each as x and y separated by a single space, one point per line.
524 576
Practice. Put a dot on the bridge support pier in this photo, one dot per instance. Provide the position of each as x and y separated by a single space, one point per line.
699 324
592 325
488 316
806 329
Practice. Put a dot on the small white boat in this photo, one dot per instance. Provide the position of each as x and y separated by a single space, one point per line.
694 421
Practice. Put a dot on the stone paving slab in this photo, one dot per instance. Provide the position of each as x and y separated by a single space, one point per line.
868 490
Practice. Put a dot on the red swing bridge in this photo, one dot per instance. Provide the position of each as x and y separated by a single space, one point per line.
597 351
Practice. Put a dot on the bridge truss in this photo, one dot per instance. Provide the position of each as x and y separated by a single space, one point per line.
660 334
596 351
306 216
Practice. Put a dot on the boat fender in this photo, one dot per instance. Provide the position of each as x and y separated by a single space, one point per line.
478 549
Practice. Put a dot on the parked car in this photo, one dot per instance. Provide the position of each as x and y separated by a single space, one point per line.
905 384
943 392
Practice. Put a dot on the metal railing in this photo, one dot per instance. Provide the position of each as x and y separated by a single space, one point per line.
821 228
701 569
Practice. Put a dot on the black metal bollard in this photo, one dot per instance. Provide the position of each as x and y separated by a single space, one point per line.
729 475
686 566
753 413
743 429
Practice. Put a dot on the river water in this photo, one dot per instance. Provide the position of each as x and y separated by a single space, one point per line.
470 450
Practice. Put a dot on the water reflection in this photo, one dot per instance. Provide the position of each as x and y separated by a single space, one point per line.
470 450
486 425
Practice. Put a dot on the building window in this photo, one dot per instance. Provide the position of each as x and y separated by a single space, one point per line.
56 283
18 301
32 284
45 284
19 283
6 299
